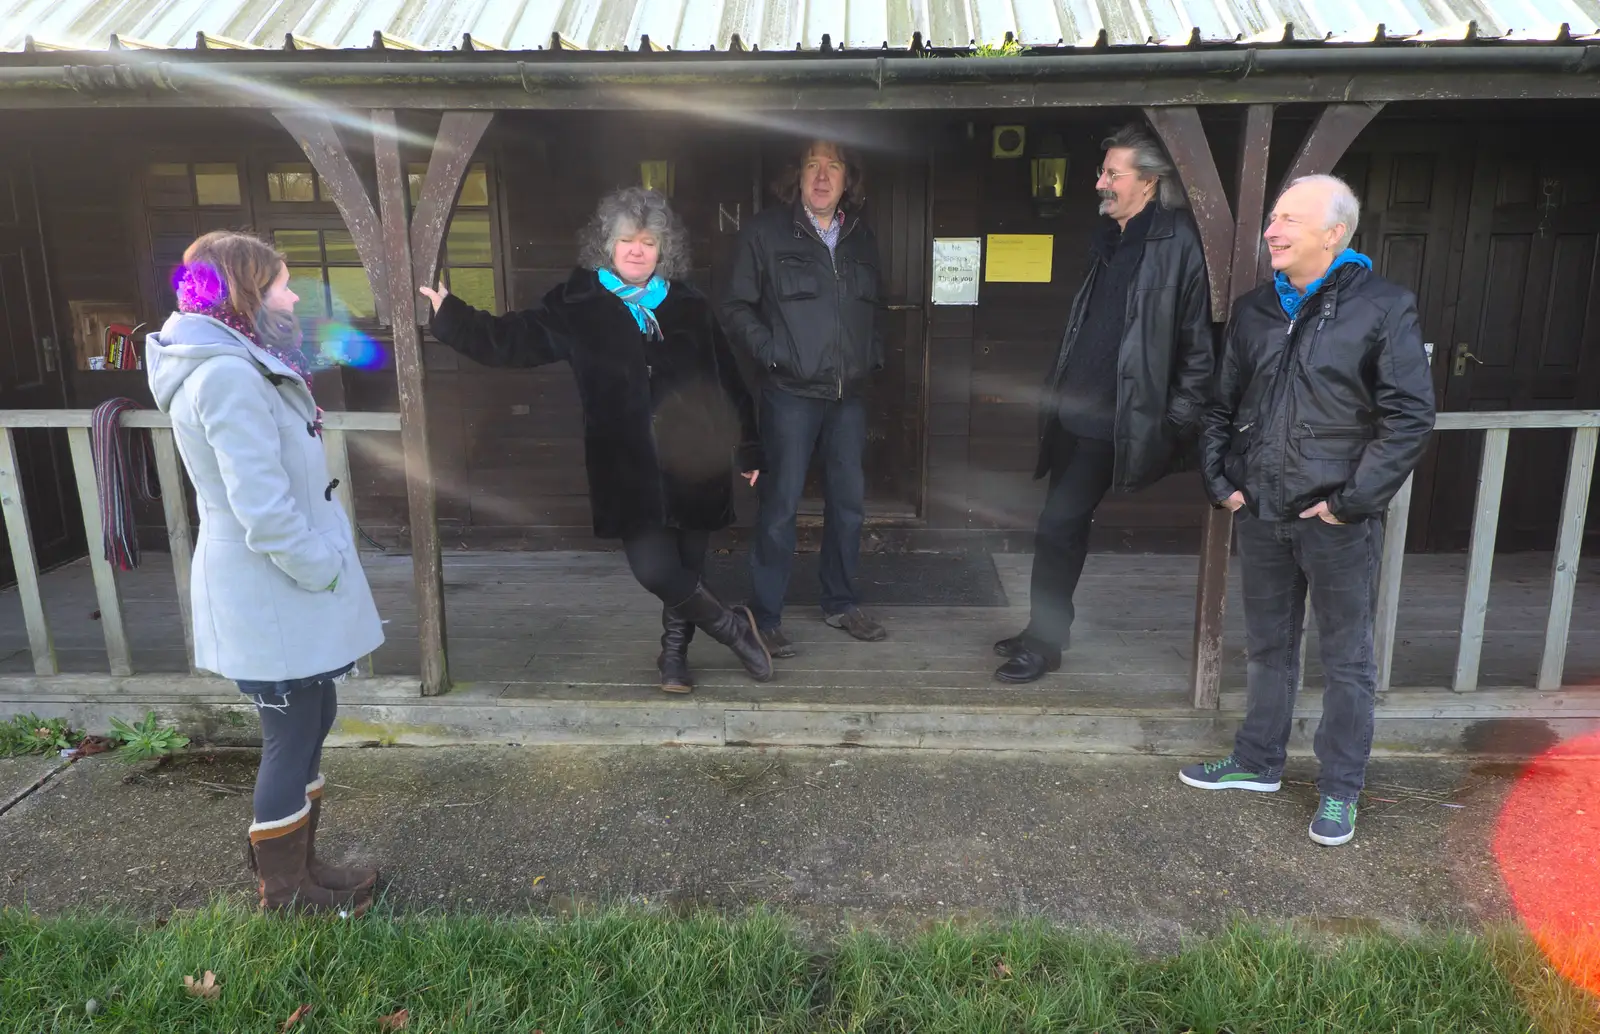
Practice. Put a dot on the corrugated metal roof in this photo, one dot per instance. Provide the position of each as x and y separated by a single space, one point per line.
768 25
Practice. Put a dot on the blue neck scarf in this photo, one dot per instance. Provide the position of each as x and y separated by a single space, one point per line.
1291 299
641 301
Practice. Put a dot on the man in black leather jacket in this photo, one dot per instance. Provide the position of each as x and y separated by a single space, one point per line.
803 300
1126 393
1323 406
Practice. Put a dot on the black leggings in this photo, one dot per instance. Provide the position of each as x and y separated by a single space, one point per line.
293 727
668 561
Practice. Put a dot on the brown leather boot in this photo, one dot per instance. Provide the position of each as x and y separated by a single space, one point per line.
331 877
673 663
278 857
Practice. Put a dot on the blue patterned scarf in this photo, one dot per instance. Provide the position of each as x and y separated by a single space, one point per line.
641 301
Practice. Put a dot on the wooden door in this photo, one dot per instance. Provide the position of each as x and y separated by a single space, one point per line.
1527 334
30 371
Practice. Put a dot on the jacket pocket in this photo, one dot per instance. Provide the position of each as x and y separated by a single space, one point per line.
797 278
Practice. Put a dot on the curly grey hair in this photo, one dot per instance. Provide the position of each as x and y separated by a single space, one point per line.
628 211
1151 162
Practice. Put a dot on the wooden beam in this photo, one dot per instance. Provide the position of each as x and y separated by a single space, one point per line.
1183 134
401 287
1335 129
180 537
459 135
1480 558
20 536
1254 146
320 140
1569 545
105 577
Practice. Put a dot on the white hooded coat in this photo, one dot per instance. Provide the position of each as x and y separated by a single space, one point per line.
277 588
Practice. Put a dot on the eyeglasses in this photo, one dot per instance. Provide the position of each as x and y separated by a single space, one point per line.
1103 173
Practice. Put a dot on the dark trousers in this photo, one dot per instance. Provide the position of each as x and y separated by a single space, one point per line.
1080 476
791 429
293 726
1278 560
668 561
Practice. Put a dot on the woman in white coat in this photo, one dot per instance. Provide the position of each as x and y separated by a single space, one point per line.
281 605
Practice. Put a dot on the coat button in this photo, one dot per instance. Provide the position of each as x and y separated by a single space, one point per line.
328 492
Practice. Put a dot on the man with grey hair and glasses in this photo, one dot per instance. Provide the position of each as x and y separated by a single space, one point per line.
1323 406
1124 397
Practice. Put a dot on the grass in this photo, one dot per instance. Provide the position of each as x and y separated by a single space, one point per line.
649 972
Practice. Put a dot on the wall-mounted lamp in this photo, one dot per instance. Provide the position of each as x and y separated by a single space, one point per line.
1049 174
659 176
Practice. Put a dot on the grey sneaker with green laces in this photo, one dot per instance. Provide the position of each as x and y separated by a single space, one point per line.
1226 774
1335 823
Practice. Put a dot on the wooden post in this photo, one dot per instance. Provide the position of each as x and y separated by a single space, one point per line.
105 577
1480 557
1183 134
1569 543
401 287
180 538
20 535
1216 537
319 139
1395 525
460 132
1335 129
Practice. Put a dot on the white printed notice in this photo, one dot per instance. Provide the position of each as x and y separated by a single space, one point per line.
957 261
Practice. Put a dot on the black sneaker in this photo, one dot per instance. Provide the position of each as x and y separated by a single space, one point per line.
1335 823
1226 774
778 644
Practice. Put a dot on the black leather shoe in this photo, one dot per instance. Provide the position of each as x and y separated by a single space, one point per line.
1009 647
1027 665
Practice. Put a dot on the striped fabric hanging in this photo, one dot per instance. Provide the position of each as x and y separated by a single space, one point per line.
123 466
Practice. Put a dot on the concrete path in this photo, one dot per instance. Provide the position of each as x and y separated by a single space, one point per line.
890 839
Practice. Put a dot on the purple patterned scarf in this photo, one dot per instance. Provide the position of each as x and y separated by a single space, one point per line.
201 291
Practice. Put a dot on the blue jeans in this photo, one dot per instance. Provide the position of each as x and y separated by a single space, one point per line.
1278 560
791 429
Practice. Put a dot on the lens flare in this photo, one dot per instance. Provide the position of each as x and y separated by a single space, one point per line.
340 344
1548 847
199 287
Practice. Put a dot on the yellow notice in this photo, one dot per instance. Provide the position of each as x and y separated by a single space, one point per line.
1019 258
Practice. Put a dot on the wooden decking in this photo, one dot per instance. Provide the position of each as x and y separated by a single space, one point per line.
532 625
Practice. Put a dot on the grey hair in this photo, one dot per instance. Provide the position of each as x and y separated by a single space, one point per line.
1343 205
1150 161
631 210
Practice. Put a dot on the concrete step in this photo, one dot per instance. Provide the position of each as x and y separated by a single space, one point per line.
726 712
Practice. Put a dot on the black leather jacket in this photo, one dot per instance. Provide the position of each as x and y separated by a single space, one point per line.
1165 365
809 318
1336 406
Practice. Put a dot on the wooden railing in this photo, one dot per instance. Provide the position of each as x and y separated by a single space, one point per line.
1497 428
174 500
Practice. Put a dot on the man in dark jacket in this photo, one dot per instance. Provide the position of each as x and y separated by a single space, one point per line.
1323 406
803 300
1126 393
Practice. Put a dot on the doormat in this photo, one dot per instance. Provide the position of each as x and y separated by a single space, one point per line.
884 579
